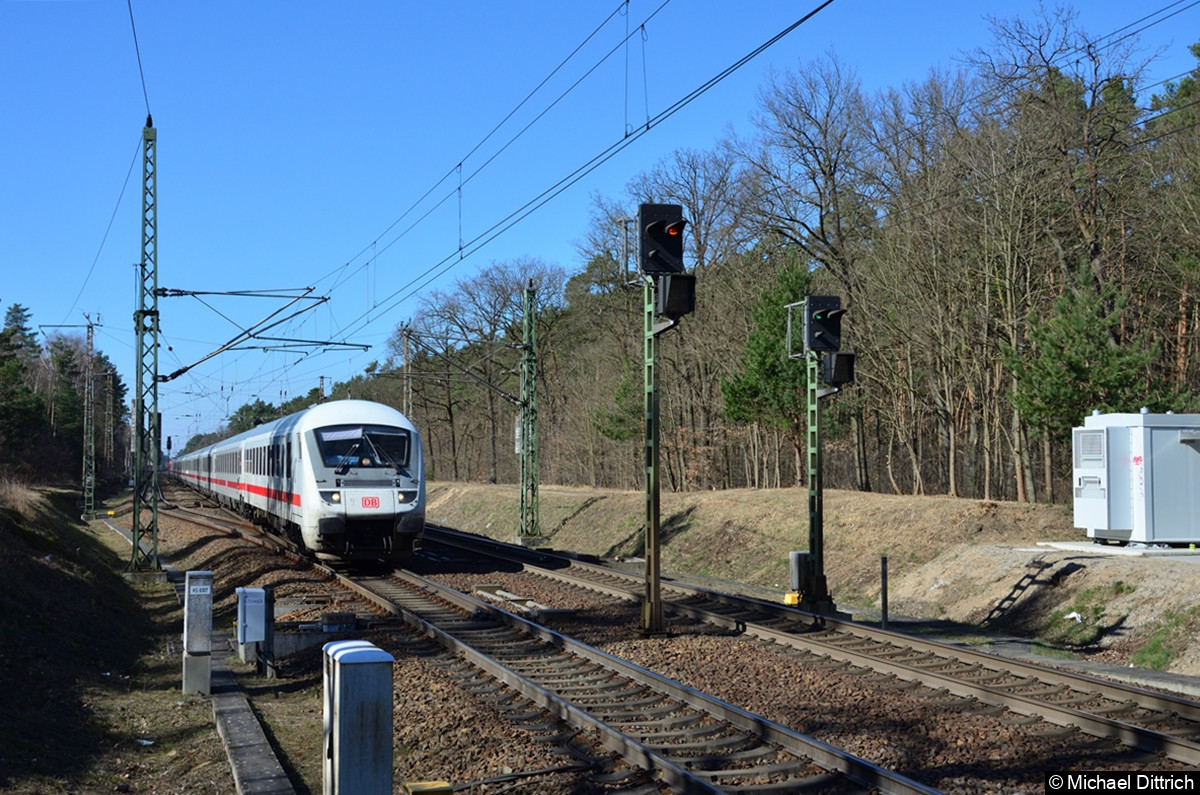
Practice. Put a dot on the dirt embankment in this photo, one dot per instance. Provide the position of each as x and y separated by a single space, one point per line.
973 562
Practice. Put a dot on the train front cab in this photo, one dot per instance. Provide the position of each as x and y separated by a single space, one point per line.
370 491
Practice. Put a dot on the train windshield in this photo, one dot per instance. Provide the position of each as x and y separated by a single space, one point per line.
346 446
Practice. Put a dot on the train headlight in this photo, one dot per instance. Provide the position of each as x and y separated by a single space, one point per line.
332 496
403 497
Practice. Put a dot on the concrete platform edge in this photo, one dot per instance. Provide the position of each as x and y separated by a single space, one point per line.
256 769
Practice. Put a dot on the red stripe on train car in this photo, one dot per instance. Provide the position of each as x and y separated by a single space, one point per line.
273 494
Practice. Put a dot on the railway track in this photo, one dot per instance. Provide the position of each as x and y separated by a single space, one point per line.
1139 718
684 739
654 725
690 741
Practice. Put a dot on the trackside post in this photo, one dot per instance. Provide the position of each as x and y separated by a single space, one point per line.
358 719
197 633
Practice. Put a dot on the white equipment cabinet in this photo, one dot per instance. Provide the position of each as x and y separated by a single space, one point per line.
1137 477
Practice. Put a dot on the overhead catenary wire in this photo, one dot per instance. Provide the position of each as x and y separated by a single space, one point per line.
456 191
1115 41
138 51
467 247
132 164
464 249
104 239
931 206
457 168
930 203
1108 41
481 240
504 224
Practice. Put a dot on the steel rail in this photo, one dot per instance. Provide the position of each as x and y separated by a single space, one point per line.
1176 748
675 773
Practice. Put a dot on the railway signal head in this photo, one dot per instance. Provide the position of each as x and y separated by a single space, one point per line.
839 368
823 322
660 230
676 295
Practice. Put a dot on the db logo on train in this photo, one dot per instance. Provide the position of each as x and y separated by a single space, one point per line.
370 502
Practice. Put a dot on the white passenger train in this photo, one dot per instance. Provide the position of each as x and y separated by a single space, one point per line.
343 479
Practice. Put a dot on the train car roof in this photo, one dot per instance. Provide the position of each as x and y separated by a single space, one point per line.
334 412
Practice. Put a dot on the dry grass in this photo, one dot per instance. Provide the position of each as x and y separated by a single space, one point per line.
744 535
86 649
91 699
950 559
19 497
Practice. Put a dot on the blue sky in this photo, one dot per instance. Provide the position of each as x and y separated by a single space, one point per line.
293 135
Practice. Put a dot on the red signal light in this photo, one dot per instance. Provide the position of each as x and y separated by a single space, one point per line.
661 243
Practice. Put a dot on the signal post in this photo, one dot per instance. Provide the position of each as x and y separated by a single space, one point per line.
825 363
667 290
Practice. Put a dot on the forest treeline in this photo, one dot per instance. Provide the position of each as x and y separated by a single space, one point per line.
1015 239
43 405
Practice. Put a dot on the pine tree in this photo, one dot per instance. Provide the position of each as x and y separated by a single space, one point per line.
22 415
770 388
1075 364
20 338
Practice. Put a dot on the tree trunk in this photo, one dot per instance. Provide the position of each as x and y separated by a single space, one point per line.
1048 470
861 472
